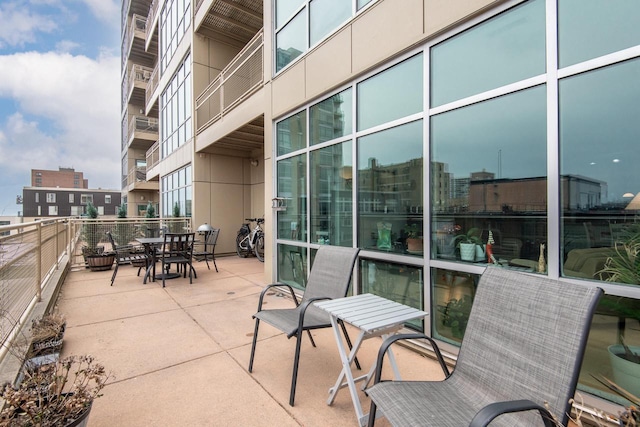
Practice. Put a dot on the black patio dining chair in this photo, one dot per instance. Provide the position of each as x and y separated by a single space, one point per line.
127 255
178 250
518 364
329 278
208 248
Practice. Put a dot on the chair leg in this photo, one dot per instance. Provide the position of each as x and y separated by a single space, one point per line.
113 276
214 262
372 415
313 343
294 377
253 344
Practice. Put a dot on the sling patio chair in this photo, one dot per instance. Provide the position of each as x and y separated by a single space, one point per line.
127 255
208 248
518 364
329 278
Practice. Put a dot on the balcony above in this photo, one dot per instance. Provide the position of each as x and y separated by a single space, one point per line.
237 20
142 132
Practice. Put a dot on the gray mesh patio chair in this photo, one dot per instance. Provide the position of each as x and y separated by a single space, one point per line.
178 249
329 278
522 348
126 254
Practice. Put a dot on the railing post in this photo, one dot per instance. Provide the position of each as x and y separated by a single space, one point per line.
39 262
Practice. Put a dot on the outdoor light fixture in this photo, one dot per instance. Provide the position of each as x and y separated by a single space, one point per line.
254 162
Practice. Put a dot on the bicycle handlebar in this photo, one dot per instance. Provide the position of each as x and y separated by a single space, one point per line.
258 220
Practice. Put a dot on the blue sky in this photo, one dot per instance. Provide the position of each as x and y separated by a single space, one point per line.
59 92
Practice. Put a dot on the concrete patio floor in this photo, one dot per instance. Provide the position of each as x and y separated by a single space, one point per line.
179 354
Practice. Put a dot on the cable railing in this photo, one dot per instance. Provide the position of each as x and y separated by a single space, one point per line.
152 85
32 253
153 155
233 85
153 10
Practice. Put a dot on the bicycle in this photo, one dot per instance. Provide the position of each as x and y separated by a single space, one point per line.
251 241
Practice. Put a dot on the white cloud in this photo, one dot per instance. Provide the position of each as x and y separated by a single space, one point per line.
105 10
73 104
19 26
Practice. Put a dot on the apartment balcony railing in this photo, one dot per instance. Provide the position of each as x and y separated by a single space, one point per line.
137 28
153 155
238 80
29 257
137 174
153 10
152 85
142 124
138 74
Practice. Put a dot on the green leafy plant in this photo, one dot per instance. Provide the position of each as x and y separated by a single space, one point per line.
471 236
91 232
151 211
456 315
413 231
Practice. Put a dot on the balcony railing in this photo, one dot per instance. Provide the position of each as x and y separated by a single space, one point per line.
234 84
143 124
138 74
137 27
152 85
29 257
153 155
153 10
137 174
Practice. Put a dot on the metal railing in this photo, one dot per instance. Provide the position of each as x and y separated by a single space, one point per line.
32 253
137 74
153 10
153 155
137 174
234 84
137 27
152 85
29 256
142 124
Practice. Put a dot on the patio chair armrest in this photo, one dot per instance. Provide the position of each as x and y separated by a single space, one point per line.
303 310
491 411
273 285
392 339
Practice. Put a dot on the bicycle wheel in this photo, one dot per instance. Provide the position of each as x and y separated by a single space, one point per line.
258 249
242 245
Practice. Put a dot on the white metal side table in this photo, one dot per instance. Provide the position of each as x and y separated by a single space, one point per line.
374 316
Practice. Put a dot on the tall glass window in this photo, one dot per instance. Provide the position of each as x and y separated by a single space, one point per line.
391 94
292 133
175 18
175 110
591 28
327 15
599 158
331 118
331 201
494 156
452 292
176 189
292 265
390 191
503 50
292 187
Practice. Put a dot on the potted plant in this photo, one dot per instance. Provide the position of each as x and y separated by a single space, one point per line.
624 267
456 315
56 394
415 243
47 334
467 242
95 257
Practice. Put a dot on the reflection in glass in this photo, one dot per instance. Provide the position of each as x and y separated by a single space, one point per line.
500 51
588 29
284 9
331 118
397 282
326 16
453 293
291 41
489 175
292 266
390 187
331 195
363 3
392 94
599 158
292 184
292 133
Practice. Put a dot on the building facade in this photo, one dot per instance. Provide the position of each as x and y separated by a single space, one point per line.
63 177
365 119
46 202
